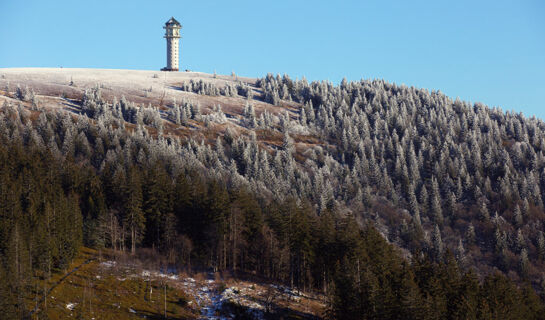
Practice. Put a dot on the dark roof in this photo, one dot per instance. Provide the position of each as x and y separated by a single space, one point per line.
173 22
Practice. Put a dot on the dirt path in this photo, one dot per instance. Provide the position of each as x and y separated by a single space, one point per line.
42 299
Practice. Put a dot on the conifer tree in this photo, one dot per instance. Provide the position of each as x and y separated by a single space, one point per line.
133 216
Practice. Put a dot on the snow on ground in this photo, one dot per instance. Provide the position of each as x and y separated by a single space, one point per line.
242 297
140 86
252 296
154 274
135 79
71 306
108 264
207 297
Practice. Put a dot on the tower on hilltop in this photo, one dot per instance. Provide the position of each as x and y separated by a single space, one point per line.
172 34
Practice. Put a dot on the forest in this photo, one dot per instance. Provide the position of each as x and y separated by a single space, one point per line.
412 206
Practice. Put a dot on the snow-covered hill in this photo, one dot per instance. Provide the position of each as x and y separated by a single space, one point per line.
147 87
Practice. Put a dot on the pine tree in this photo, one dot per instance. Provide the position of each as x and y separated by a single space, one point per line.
437 243
461 254
287 144
436 210
541 246
470 235
483 212
133 217
525 208
413 203
520 241
518 216
523 263
249 114
156 204
424 199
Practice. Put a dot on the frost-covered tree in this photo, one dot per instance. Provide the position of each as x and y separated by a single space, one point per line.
437 243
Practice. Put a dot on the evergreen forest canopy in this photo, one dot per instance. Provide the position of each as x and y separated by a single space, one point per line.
410 205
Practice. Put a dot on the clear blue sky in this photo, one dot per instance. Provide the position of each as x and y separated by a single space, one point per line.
487 51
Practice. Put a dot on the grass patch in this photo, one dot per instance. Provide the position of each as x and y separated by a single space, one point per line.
103 292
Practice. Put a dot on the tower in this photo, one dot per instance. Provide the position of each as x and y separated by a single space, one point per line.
172 34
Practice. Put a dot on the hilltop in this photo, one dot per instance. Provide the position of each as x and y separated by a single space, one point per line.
157 88
64 88
54 82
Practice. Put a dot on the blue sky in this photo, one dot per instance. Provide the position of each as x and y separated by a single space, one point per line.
487 51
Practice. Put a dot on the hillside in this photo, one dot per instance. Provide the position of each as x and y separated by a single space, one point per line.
271 176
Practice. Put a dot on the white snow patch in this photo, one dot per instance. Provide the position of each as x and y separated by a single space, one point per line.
70 306
170 276
108 264
215 300
145 273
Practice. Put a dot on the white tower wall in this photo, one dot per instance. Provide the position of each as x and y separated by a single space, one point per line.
173 60
172 34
